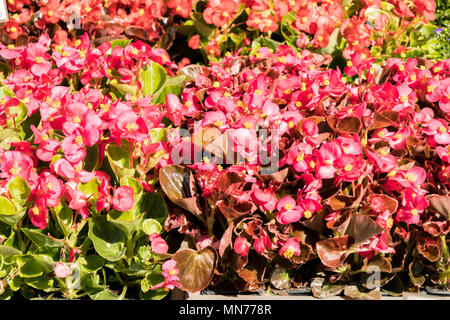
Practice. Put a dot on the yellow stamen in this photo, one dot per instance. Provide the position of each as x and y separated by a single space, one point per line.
390 222
76 119
131 126
289 253
392 173
82 53
307 214
303 86
15 170
35 211
172 272
79 140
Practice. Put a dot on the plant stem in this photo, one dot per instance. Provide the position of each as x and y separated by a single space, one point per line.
124 291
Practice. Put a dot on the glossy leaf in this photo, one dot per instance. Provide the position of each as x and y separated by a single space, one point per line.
19 190
150 226
6 207
196 267
108 239
441 204
119 160
177 183
154 76
332 252
154 206
40 239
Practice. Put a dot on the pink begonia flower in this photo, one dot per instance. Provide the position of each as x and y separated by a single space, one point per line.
241 246
204 241
290 248
170 273
262 244
288 211
159 245
123 198
62 270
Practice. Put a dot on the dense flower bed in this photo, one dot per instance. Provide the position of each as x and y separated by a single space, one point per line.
312 146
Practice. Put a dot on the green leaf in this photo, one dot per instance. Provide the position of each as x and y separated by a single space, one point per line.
31 269
124 88
108 239
6 207
19 190
154 76
237 38
264 42
119 160
6 251
161 97
13 219
152 278
64 216
120 42
92 158
135 270
92 263
206 30
18 114
40 239
9 135
150 226
90 187
135 185
34 119
5 91
157 294
106 295
89 283
332 42
126 221
154 205
42 283
157 134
